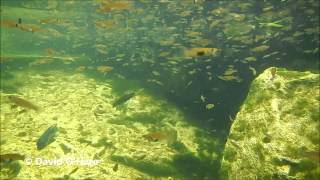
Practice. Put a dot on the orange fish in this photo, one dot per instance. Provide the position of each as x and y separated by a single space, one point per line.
9 24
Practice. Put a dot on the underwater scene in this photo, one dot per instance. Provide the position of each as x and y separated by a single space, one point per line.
159 90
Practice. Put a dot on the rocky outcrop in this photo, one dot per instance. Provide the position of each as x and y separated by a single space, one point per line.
275 135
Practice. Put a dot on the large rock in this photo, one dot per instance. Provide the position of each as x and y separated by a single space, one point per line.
276 133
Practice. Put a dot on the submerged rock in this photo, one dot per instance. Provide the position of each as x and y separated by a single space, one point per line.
276 133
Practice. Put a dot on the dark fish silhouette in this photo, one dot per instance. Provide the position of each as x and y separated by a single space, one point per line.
115 167
23 103
47 137
123 99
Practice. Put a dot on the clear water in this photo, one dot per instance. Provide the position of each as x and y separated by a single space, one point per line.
149 88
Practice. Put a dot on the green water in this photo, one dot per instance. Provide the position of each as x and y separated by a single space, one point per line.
148 88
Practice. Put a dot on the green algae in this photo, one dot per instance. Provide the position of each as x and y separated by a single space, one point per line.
265 123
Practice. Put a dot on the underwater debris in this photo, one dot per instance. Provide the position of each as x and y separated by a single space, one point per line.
22 103
11 157
47 137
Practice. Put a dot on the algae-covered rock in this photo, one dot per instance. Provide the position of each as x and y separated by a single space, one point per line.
276 132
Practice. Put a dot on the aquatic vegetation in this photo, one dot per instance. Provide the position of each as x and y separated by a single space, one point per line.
47 137
272 118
